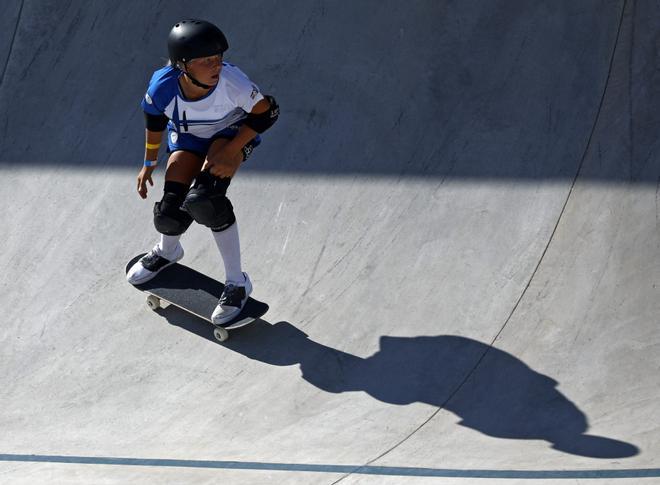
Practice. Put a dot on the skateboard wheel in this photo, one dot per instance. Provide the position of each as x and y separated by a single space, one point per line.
220 334
153 302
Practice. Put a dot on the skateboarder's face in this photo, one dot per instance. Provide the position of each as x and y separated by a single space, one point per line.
206 69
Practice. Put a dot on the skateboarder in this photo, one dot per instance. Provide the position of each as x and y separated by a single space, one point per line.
213 115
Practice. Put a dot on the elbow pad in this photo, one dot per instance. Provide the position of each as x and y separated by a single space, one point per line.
262 121
155 122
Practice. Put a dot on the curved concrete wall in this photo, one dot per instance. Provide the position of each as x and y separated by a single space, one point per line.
454 224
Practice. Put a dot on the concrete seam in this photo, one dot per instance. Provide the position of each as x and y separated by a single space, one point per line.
631 122
11 44
538 265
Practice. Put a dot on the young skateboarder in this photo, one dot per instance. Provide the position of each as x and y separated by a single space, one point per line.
213 115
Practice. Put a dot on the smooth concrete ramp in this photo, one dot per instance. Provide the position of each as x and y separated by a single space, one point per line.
455 224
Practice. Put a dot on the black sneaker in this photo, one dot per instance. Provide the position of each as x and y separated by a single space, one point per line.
151 264
232 301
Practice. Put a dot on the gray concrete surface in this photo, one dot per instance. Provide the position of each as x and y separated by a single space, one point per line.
455 224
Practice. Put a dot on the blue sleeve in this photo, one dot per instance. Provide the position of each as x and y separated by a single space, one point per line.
162 89
148 105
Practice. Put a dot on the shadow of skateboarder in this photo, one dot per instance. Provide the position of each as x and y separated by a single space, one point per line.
504 398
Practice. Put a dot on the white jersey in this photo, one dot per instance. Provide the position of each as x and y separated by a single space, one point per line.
228 102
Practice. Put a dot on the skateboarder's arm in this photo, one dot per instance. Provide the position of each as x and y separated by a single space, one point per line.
152 144
226 161
245 134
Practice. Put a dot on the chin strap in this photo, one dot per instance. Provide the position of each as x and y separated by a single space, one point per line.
197 83
193 80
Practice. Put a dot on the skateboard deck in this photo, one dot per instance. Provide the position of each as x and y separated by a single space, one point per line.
195 293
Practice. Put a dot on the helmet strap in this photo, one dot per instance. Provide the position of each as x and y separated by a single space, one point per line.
195 81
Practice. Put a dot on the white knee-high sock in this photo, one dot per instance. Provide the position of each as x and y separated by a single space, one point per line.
168 244
230 250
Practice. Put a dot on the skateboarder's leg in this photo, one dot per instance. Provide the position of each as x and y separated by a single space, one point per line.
224 226
183 166
169 219
225 232
208 204
229 245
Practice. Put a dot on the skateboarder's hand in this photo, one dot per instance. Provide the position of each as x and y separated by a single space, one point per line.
143 177
224 169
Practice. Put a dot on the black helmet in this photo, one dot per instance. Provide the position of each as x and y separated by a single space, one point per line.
192 38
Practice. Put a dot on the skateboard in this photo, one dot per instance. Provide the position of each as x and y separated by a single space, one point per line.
195 293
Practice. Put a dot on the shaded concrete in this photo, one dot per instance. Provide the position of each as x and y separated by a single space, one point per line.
455 225
446 89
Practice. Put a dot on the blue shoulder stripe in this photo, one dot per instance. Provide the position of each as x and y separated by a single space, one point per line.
163 87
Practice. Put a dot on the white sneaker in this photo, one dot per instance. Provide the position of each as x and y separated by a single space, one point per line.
232 301
151 264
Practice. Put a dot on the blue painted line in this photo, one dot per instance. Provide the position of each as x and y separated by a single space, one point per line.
351 469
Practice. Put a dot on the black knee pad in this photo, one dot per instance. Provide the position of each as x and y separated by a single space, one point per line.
169 218
207 203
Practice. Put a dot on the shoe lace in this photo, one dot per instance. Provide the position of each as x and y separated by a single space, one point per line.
229 293
152 255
